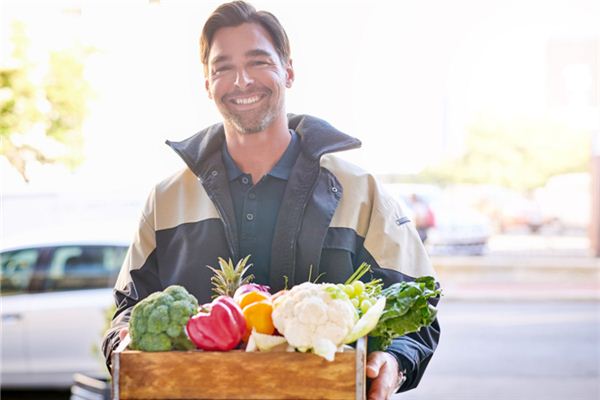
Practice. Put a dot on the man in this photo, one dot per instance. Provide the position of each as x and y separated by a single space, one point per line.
267 184
424 218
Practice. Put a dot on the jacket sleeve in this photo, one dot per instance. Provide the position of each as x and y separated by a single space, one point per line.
137 279
393 248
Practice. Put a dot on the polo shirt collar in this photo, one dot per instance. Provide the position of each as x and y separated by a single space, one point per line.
233 171
281 170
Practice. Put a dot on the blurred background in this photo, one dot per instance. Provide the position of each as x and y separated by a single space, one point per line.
481 117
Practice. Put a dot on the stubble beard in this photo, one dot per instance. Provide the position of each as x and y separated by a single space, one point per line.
253 121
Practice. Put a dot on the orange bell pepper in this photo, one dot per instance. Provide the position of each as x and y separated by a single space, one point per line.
252 297
258 316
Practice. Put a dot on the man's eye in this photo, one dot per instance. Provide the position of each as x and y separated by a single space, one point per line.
259 63
220 70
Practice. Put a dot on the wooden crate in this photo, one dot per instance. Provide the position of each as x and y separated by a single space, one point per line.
238 375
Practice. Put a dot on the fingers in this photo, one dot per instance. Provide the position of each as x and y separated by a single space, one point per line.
383 369
374 363
122 333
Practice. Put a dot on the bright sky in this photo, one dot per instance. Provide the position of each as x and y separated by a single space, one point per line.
406 77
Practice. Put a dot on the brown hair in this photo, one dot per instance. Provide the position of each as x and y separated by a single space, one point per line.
239 12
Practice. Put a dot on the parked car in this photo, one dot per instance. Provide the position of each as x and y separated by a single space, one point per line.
456 227
565 201
56 295
458 230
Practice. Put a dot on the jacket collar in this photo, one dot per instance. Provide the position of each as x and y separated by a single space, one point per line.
318 138
280 170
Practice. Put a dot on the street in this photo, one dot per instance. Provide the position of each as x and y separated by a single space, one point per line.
514 351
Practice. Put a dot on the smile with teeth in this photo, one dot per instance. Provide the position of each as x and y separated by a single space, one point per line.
246 100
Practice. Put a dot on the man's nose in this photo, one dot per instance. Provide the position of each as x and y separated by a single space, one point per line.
243 79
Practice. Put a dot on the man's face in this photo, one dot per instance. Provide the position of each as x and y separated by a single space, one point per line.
246 78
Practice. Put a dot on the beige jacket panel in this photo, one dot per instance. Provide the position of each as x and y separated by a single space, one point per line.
374 215
179 199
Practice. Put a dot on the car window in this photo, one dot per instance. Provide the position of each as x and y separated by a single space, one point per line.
17 270
83 267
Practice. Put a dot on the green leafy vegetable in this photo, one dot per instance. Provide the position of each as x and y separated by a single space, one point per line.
157 322
407 310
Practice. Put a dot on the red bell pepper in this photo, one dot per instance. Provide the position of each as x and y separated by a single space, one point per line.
219 326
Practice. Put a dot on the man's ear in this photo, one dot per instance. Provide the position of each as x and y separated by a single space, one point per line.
207 87
289 74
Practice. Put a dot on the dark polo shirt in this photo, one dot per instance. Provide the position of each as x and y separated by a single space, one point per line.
257 206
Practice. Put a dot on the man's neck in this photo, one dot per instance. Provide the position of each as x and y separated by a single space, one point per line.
257 153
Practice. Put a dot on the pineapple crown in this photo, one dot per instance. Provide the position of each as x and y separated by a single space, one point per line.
228 278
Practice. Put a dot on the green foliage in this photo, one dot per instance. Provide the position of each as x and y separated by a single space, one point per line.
406 310
520 155
227 279
41 119
157 321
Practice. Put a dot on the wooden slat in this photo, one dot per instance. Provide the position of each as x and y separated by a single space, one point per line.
361 365
235 375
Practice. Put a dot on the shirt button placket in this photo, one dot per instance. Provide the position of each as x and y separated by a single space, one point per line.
249 225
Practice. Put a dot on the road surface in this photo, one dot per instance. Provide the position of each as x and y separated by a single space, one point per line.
515 351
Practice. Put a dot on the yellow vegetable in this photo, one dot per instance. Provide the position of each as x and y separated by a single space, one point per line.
258 317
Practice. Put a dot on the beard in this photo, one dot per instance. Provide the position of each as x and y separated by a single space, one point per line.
255 120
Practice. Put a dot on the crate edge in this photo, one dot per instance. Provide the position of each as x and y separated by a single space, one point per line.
116 373
360 368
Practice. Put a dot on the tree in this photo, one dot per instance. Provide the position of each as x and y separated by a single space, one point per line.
520 154
41 119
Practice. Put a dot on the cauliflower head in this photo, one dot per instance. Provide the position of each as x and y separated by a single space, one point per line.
315 317
157 322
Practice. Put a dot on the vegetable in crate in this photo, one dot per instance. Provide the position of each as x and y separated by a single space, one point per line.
407 310
219 326
259 317
256 305
315 317
157 321
250 288
251 297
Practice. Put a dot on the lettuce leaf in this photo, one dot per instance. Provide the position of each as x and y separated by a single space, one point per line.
407 310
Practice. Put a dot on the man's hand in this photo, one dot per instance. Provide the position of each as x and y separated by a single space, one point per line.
122 333
382 368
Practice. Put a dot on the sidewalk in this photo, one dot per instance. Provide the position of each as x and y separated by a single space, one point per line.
500 278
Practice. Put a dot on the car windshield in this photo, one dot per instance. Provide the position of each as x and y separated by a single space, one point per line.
83 267
17 269
59 268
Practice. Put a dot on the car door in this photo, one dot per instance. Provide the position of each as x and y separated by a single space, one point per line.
68 314
18 269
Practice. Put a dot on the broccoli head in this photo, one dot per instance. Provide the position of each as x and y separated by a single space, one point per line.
157 322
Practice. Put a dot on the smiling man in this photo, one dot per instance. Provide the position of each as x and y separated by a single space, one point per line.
247 78
252 99
268 184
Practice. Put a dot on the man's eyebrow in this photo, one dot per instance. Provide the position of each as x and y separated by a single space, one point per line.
219 59
249 53
258 53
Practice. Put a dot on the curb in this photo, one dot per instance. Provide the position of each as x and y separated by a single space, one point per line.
519 278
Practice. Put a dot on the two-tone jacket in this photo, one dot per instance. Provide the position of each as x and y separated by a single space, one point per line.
333 216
